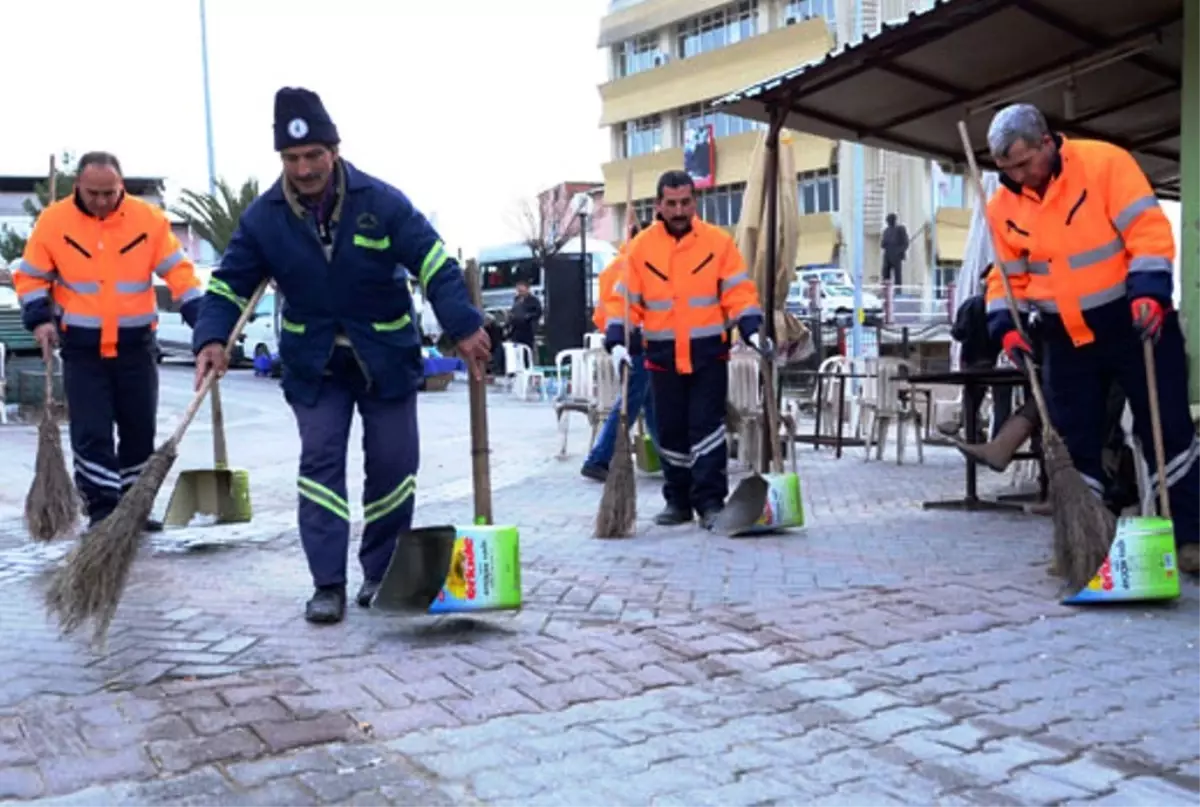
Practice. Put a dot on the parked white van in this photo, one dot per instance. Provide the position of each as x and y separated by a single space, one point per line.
261 335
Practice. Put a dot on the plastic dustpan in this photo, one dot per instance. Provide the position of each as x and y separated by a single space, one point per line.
219 495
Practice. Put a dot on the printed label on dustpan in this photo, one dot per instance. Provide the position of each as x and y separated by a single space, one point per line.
784 507
647 456
1140 565
485 572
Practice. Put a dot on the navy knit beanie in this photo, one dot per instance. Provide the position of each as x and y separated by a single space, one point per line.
301 119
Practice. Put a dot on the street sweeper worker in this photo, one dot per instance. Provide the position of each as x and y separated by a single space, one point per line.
331 237
595 466
86 285
686 281
1089 252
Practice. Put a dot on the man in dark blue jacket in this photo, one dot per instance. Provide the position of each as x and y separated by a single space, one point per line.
331 238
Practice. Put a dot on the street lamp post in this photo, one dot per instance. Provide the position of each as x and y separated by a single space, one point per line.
581 203
208 126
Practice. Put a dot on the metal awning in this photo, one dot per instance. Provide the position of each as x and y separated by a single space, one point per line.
1102 69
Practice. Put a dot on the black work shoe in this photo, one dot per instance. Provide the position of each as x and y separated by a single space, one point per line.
673 516
597 472
153 525
366 593
327 606
708 519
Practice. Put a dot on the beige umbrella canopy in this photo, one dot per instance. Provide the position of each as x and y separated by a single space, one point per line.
751 237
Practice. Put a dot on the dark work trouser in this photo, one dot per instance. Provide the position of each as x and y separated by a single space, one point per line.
101 393
391 454
1077 382
690 409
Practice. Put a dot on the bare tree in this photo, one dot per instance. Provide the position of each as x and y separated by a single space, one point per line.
546 223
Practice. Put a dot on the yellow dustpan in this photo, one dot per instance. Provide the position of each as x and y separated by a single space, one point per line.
216 496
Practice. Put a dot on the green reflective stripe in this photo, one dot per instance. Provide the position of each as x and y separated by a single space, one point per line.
222 289
381 507
293 327
434 261
319 494
394 325
372 243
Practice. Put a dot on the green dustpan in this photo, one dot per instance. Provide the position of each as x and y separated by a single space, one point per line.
217 496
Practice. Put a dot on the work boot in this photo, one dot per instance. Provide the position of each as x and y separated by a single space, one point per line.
673 516
1189 559
367 593
327 606
999 452
708 518
596 472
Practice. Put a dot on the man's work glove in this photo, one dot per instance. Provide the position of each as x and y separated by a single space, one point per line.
620 357
1148 317
762 344
1017 349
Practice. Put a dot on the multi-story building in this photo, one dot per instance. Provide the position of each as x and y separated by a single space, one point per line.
670 59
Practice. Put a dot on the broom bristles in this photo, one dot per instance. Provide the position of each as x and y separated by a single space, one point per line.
90 583
617 514
1084 527
52 505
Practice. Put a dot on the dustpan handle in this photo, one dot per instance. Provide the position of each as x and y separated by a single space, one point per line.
206 384
220 452
1160 454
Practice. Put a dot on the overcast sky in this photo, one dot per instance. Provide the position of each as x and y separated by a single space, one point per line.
467 106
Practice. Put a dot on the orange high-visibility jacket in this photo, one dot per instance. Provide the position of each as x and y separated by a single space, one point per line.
682 292
1097 237
99 273
608 281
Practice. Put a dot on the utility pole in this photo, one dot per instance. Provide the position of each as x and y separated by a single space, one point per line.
208 126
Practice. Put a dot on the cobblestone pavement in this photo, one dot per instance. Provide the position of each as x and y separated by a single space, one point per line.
882 655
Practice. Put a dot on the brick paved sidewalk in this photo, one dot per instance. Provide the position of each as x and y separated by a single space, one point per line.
882 655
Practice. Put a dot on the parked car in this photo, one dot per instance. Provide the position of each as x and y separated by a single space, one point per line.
837 301
260 337
8 299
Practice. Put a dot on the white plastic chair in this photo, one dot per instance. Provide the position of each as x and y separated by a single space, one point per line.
887 408
518 366
593 341
573 357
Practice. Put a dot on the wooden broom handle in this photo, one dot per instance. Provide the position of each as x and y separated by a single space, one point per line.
220 451
1160 454
47 352
211 377
481 470
1030 370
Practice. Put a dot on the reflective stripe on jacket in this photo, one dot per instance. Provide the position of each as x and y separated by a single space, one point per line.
1097 236
685 292
355 294
96 276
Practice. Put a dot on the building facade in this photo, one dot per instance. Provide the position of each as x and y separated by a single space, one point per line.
670 59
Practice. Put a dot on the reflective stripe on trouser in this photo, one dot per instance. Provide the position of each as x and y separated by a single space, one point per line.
391 454
1076 379
690 410
102 393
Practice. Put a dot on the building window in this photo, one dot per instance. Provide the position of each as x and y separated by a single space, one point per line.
717 29
637 55
943 275
818 191
721 206
951 190
724 125
643 212
642 136
800 10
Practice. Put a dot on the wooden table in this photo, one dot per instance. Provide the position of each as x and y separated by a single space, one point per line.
973 382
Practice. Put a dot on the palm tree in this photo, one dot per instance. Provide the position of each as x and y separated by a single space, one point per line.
214 216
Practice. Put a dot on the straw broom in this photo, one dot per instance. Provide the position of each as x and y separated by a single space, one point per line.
617 514
1083 527
90 584
52 505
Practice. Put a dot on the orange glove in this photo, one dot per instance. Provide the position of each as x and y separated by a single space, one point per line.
1148 317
